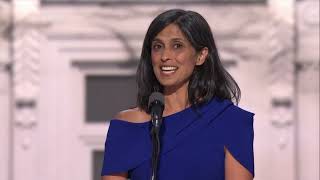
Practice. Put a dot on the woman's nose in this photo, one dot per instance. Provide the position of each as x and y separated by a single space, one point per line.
166 55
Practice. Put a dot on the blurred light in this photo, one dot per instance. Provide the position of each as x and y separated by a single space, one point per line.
25 8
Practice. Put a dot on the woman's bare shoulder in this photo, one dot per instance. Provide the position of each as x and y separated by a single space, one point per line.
134 115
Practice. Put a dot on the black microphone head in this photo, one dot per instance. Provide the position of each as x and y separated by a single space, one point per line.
155 108
156 96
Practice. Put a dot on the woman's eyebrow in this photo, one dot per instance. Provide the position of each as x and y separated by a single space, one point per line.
177 39
156 40
173 39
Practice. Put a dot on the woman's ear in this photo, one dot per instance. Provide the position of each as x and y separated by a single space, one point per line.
202 56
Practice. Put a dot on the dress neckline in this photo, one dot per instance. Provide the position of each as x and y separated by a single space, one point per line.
165 118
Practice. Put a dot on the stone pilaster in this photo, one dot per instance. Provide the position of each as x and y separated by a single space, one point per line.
5 131
307 73
281 56
27 35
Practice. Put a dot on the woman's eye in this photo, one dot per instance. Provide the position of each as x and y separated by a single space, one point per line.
176 46
156 46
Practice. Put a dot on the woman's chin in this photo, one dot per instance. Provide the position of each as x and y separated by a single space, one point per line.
173 86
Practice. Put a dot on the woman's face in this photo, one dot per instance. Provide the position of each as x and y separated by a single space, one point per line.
173 57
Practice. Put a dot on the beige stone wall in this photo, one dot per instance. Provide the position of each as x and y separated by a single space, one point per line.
271 49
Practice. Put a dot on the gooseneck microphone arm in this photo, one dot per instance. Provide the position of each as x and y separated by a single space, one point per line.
156 106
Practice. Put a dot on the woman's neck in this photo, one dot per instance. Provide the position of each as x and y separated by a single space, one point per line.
176 100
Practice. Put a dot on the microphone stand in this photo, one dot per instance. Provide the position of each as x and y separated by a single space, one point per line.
156 122
156 107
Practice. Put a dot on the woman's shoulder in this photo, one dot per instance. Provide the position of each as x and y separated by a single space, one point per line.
241 110
134 115
238 117
121 135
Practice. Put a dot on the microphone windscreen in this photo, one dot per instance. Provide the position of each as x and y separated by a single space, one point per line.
156 96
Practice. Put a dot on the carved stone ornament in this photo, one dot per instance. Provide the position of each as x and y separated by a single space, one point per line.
28 38
26 74
281 71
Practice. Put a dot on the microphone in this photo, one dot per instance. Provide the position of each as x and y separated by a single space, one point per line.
155 107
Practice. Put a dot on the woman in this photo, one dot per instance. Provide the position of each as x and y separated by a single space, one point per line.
203 136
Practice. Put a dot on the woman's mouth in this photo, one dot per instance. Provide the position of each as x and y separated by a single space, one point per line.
168 69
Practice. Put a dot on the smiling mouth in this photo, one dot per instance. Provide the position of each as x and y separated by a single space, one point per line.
168 69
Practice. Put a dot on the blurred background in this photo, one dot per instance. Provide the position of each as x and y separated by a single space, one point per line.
67 66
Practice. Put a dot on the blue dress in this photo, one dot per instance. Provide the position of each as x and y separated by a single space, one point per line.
192 144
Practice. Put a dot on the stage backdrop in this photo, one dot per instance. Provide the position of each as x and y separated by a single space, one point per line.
66 67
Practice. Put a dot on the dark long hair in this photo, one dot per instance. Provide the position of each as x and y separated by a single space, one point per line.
207 80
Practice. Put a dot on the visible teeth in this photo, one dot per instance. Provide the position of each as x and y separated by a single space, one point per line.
168 68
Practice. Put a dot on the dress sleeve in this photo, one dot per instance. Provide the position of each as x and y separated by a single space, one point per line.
239 136
126 146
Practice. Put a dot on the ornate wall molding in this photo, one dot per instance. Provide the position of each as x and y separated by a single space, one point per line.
26 70
241 34
28 36
281 56
280 41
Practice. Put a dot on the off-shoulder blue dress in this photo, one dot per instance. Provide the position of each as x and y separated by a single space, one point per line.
192 144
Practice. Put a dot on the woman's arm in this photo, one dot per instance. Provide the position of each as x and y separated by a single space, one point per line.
234 170
121 176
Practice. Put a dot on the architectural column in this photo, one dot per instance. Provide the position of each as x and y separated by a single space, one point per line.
281 56
26 63
308 88
5 156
